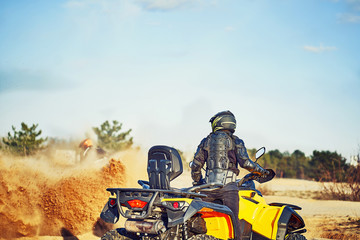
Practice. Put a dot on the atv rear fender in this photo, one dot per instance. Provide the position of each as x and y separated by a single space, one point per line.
289 221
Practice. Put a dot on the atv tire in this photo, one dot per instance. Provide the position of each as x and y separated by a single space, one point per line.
118 234
295 236
202 237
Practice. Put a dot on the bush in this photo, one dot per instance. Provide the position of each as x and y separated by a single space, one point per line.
349 190
25 141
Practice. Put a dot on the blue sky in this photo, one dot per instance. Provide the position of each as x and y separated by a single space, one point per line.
288 69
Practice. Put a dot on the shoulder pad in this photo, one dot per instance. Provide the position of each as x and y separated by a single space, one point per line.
202 143
238 141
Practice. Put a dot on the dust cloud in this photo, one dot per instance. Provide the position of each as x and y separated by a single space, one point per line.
42 196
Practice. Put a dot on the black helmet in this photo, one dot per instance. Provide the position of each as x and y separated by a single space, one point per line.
224 120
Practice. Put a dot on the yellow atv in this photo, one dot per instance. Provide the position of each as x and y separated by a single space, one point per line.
158 211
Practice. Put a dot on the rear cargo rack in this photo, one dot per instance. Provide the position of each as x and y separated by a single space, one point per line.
150 195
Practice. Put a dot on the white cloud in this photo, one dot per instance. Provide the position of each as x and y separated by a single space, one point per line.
75 4
166 5
319 49
149 5
349 17
91 14
352 15
229 29
354 4
162 4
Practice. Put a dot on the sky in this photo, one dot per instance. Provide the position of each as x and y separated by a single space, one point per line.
288 69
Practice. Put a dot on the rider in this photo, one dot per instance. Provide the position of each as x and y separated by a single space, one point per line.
222 152
86 147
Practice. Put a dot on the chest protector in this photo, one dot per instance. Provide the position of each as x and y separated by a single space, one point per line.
218 164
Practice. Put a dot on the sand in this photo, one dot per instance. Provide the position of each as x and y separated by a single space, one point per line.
39 201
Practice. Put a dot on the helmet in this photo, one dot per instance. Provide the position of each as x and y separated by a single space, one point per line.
86 143
224 120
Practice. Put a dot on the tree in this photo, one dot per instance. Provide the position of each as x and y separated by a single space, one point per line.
110 137
274 161
300 163
24 142
285 164
327 166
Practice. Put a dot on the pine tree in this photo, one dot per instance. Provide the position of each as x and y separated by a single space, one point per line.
110 137
24 142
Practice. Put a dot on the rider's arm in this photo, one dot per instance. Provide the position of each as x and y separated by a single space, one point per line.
244 160
198 162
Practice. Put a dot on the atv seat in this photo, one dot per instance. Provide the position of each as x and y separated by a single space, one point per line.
164 165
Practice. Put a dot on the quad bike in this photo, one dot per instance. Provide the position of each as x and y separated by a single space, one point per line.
157 211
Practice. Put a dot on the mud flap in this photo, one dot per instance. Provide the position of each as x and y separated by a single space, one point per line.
245 230
109 214
283 222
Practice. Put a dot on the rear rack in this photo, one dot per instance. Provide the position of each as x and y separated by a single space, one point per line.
149 194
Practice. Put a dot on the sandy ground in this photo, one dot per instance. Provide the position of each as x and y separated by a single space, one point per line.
323 219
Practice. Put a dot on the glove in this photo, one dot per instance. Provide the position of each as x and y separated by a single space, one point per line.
255 168
200 182
263 172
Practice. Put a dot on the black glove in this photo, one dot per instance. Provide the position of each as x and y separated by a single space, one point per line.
265 173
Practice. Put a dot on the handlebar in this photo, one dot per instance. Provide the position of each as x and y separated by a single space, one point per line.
248 177
257 177
144 184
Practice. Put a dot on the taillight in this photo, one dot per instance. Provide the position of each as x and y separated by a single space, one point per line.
136 203
176 205
112 202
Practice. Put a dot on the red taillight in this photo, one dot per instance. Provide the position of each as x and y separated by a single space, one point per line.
137 203
175 205
112 202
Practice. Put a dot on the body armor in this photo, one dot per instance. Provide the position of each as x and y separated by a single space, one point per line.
222 152
218 164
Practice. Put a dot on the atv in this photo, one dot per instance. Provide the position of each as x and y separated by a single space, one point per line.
158 211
